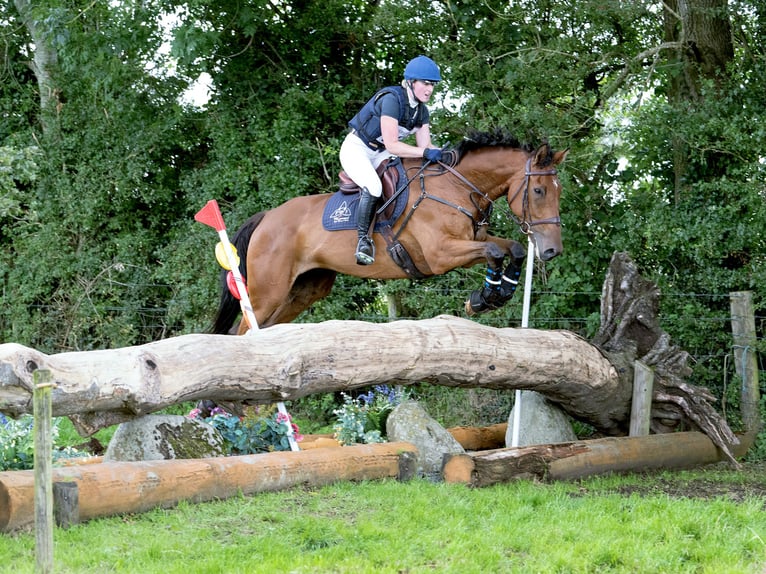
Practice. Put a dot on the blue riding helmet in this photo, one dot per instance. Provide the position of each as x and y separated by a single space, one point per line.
422 68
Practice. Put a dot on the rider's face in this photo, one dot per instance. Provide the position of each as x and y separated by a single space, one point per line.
422 90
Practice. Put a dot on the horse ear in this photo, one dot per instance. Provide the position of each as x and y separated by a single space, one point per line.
560 156
542 155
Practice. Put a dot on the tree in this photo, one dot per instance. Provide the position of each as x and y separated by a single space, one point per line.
660 106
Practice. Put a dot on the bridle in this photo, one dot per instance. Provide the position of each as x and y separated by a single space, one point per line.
524 224
476 195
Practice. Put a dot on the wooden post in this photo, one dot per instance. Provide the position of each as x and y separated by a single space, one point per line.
641 407
66 504
745 357
43 408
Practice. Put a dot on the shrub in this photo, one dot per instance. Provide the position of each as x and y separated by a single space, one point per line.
363 419
17 443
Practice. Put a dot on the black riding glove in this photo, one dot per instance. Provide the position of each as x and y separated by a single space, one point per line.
433 154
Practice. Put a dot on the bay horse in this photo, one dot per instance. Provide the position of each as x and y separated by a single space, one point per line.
289 260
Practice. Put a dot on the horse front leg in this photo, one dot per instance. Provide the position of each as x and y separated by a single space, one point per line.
499 285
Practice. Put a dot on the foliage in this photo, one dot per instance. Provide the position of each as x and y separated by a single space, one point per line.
256 432
363 419
315 412
17 443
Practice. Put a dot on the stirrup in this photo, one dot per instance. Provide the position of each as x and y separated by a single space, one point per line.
365 251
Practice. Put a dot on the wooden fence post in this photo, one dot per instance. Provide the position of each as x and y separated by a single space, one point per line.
745 357
66 504
641 406
43 440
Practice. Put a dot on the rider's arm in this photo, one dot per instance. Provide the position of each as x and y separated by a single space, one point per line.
423 136
389 129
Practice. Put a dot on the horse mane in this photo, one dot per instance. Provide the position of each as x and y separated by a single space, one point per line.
497 137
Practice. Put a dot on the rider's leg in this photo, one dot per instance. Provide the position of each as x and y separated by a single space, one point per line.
359 162
365 248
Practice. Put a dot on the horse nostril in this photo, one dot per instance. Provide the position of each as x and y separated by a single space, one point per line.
549 254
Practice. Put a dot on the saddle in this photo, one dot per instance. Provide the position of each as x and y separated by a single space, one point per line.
389 174
391 171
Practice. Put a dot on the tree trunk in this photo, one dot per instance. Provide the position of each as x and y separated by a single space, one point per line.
290 361
128 487
702 30
574 460
43 63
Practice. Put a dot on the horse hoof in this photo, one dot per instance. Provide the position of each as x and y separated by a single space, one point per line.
468 309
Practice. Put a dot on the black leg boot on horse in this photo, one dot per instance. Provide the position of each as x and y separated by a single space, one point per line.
365 248
499 287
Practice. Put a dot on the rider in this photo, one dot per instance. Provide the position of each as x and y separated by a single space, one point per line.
391 115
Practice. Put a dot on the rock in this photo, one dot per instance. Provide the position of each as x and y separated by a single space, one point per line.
541 422
409 422
164 437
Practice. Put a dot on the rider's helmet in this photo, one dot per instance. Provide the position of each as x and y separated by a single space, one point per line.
422 68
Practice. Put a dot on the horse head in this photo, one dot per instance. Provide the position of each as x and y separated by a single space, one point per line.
535 203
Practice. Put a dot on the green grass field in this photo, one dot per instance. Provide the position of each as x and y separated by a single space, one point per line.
706 521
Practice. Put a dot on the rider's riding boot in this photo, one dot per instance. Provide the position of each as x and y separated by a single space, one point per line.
365 248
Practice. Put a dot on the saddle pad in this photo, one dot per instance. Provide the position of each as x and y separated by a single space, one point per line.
340 211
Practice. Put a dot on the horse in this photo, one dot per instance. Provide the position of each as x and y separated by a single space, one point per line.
289 260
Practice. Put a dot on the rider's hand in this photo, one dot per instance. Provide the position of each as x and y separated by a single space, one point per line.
433 154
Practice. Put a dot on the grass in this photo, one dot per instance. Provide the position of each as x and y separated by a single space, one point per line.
613 524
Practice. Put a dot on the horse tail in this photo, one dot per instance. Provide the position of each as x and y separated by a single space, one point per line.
228 306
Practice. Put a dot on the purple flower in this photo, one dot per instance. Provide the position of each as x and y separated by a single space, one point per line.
367 398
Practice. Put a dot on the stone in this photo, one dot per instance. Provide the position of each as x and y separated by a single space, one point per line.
541 422
164 437
409 422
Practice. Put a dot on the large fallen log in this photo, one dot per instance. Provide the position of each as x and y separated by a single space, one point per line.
290 361
113 488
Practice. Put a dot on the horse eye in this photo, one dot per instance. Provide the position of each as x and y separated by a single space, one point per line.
539 191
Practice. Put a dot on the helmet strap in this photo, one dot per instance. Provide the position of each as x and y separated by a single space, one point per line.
411 93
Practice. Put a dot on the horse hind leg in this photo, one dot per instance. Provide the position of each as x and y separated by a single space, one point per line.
499 286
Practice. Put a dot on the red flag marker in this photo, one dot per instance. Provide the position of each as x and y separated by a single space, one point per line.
211 215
